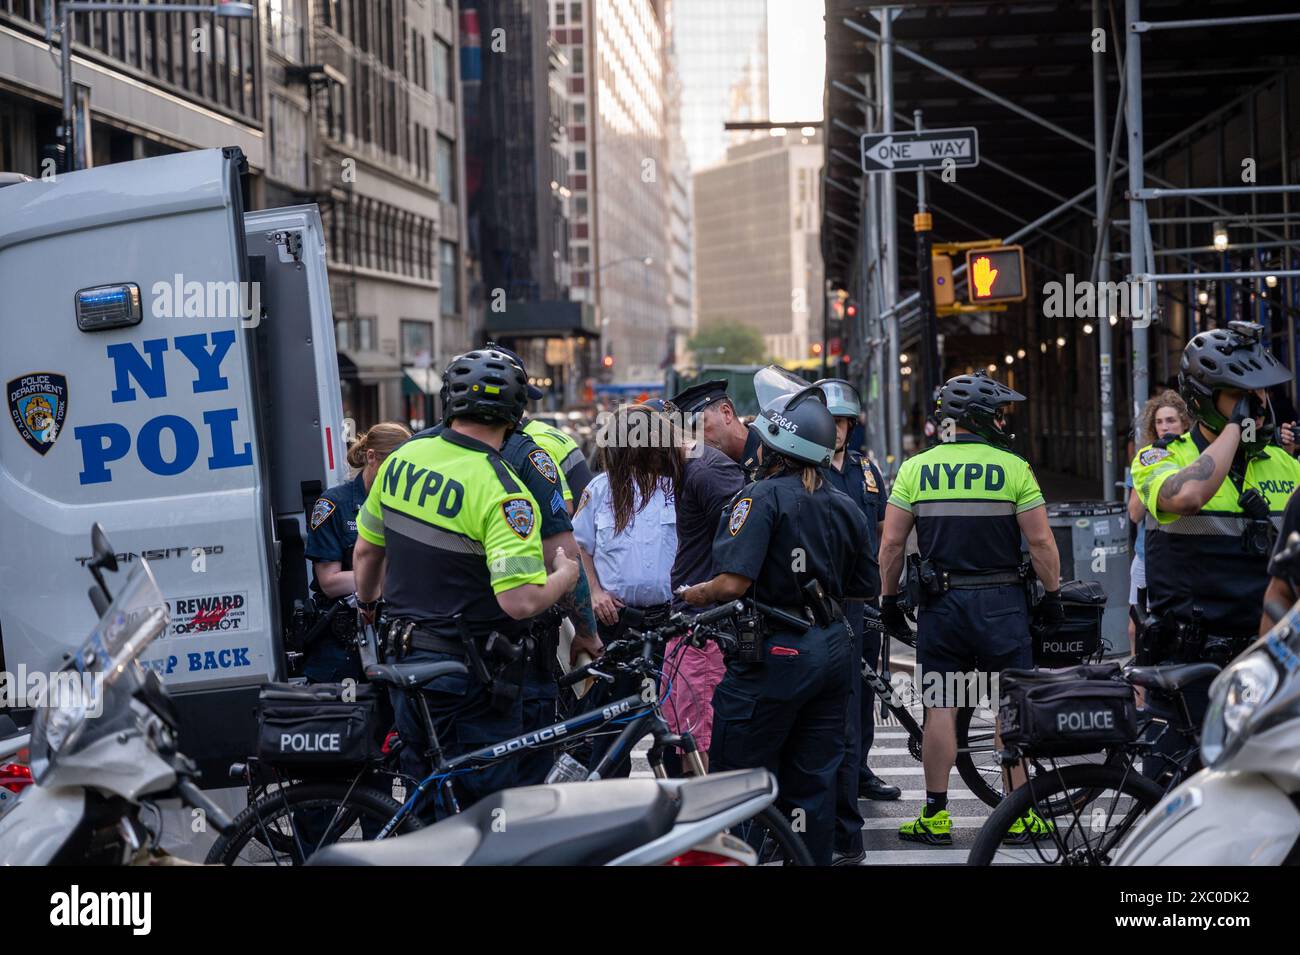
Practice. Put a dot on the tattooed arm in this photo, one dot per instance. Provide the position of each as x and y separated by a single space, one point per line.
1188 490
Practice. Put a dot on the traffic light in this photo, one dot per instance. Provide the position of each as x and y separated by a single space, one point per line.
941 275
995 275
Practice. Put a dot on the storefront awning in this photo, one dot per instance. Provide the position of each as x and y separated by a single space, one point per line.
368 366
420 381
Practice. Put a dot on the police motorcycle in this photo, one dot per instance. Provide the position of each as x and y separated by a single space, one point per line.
1243 808
104 741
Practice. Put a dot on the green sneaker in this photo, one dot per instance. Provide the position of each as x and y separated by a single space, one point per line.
1027 828
933 830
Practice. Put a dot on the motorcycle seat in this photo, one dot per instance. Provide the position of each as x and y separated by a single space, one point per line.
412 674
7 727
1171 678
586 823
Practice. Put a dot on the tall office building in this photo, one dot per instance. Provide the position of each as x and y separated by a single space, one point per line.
757 247
620 177
517 161
721 57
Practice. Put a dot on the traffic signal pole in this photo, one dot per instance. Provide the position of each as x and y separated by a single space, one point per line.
922 225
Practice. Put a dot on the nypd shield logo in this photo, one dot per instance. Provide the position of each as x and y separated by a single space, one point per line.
321 512
738 515
869 477
1151 456
38 404
544 465
519 515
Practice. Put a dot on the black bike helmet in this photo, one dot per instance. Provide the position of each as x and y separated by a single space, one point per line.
484 383
1232 357
974 402
799 426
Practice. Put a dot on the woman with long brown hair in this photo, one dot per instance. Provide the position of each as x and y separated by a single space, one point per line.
1164 417
331 534
626 528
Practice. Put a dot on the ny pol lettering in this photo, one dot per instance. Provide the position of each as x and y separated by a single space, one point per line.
144 370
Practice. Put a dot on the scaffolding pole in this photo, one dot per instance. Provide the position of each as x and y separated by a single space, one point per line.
1104 334
1136 207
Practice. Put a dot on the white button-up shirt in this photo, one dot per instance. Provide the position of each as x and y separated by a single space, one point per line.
635 566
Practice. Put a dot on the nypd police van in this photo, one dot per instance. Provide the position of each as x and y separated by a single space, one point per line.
168 365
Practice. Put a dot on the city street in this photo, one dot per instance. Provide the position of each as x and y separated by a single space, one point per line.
416 411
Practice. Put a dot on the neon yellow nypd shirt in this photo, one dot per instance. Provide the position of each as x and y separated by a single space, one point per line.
458 527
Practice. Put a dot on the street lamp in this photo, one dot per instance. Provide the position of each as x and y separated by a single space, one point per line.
224 10
646 260
1220 236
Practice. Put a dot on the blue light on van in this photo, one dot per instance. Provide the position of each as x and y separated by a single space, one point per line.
108 306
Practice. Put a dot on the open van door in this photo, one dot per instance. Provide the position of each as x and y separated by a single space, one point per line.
149 385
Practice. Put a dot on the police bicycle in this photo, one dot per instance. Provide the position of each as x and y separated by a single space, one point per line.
977 758
294 818
1078 813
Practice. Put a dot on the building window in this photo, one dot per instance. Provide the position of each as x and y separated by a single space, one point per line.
580 160
417 343
575 57
446 169
450 287
580 113
442 84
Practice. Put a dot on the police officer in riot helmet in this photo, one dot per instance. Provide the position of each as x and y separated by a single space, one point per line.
330 653
452 537
852 473
1206 577
793 544
970 498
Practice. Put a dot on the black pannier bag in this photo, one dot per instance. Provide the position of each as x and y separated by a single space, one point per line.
319 723
1082 709
1079 638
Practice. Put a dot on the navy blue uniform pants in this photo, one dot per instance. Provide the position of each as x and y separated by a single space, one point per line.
540 708
787 715
465 720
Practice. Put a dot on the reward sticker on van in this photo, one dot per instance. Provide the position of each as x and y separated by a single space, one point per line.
38 403
208 613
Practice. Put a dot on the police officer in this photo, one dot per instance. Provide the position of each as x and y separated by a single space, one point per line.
331 532
538 472
1210 574
855 475
718 422
783 707
575 472
970 498
455 537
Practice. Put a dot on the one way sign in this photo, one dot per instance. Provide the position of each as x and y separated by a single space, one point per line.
928 149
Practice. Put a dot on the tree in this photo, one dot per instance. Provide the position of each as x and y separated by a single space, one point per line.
728 343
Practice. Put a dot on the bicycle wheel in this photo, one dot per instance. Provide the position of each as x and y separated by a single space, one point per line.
773 839
977 758
286 826
1089 809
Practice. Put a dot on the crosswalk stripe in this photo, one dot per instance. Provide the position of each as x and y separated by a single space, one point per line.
891 823
930 855
919 794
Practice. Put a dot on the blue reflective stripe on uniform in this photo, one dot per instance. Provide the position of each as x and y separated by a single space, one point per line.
963 508
370 522
418 530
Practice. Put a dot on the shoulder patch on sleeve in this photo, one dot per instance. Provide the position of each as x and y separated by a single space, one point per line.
582 501
321 512
739 512
1152 455
519 515
544 465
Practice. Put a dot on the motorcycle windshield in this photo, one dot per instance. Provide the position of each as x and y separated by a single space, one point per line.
132 621
774 381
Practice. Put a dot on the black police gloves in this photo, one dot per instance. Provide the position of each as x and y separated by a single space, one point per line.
892 616
1246 408
1049 614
